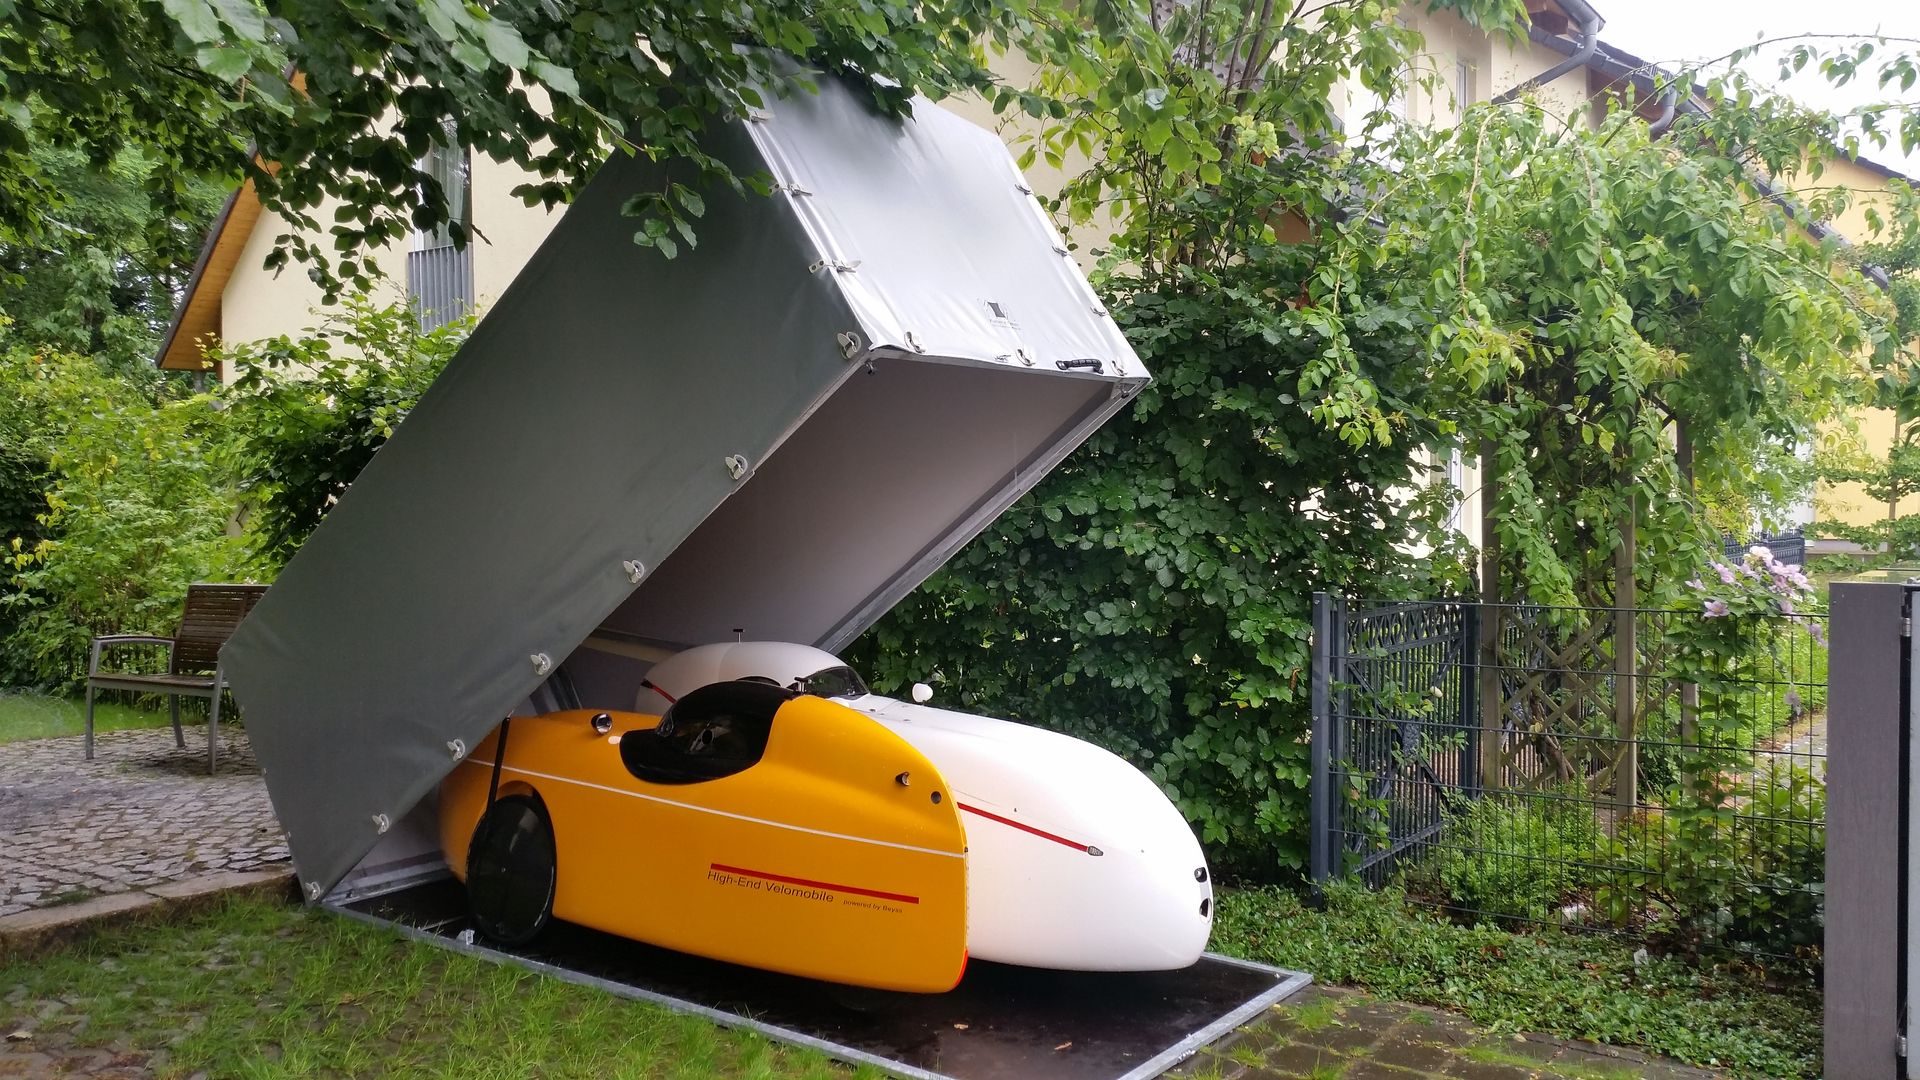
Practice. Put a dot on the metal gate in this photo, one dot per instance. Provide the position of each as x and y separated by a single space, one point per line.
1395 730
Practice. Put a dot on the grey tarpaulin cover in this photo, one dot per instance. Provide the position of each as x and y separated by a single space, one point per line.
782 432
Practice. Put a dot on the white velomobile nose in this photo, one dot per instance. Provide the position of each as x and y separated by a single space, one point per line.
1075 859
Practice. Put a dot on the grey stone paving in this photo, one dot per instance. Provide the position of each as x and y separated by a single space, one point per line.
141 813
1332 1033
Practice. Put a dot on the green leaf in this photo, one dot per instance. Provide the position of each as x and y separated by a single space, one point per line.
690 200
504 43
224 63
558 79
244 18
196 19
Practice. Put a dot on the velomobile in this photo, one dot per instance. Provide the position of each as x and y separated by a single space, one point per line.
803 824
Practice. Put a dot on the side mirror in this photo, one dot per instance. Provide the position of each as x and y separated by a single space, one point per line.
922 693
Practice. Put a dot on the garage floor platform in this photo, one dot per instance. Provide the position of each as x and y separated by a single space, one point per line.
999 1022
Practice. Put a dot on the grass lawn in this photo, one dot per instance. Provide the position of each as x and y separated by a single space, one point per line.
1739 1018
25 714
261 989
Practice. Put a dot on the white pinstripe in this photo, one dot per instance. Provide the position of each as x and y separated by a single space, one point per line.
716 813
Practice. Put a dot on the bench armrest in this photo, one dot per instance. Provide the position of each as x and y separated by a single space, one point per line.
100 644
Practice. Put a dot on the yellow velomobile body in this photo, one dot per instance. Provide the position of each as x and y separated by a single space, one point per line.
815 843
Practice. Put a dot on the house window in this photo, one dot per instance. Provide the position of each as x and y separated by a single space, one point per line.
1462 86
439 273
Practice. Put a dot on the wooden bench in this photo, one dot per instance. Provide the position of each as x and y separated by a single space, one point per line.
212 614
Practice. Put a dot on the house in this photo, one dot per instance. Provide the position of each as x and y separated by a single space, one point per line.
232 297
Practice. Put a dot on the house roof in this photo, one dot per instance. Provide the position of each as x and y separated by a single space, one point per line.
1619 64
198 314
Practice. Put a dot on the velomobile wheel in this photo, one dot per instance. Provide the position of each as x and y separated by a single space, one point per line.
511 870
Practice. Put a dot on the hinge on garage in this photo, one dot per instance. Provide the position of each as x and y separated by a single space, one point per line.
1906 626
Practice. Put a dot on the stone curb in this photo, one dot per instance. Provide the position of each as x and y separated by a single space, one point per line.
29 933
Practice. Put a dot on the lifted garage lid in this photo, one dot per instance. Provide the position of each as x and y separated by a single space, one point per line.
782 431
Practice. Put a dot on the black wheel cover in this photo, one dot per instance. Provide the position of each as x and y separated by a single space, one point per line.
511 870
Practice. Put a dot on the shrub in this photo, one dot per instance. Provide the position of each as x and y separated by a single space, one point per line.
1733 856
132 511
1517 854
311 411
1733 1015
1741 870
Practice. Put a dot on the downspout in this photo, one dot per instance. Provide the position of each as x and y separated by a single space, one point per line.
1589 32
1669 101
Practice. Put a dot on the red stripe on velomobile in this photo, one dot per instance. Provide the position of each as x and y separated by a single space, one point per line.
1042 833
811 884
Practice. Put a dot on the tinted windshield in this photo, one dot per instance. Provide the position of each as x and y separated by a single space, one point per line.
833 682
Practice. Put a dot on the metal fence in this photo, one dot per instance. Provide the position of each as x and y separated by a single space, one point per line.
1503 761
1788 547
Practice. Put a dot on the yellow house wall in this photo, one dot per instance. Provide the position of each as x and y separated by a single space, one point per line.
1433 98
1869 191
258 303
1874 431
1849 502
511 230
1513 63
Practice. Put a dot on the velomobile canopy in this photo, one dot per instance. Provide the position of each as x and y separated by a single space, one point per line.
782 431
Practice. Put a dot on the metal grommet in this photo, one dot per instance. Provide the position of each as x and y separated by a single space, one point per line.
542 663
913 342
635 570
737 466
381 824
457 747
850 344
313 890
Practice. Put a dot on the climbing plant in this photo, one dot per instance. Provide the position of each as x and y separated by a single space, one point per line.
1330 310
1596 303
1154 593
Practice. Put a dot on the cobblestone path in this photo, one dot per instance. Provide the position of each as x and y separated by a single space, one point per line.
142 812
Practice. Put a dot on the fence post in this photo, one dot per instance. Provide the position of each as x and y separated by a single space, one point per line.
1487 766
1626 663
1469 718
1320 811
1867 699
